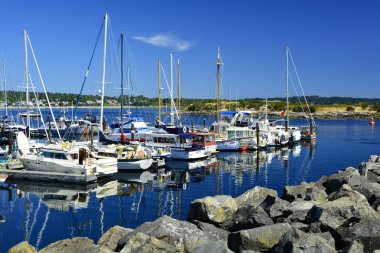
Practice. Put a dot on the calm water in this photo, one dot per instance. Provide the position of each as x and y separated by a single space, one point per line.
43 213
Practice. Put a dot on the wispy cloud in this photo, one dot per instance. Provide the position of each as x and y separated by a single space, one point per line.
166 40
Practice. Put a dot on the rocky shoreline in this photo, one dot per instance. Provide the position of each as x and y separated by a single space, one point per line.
317 115
337 213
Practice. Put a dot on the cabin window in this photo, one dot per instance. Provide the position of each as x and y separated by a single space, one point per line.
60 156
74 156
47 154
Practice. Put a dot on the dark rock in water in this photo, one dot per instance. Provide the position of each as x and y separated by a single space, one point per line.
248 217
349 176
214 247
111 238
216 210
298 241
74 245
22 247
346 208
255 196
366 232
212 232
276 207
183 235
259 239
143 243
354 247
2 219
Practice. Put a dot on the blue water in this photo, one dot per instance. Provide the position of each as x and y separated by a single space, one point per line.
43 213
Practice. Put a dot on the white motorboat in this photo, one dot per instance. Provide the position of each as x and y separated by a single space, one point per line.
63 158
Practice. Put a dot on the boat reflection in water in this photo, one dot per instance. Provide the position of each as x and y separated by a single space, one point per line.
129 199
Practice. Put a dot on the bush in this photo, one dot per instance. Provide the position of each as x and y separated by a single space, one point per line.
313 108
350 109
363 105
297 108
376 107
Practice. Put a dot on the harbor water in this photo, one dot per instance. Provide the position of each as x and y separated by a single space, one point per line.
42 213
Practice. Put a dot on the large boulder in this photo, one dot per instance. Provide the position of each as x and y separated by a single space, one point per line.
183 235
299 209
259 239
346 207
214 247
212 232
74 245
275 207
255 196
354 247
110 239
248 217
371 191
366 232
100 249
350 176
22 247
216 210
293 192
298 241
143 243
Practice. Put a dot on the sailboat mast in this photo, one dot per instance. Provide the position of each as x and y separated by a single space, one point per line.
218 64
27 82
5 89
159 90
179 95
129 92
122 76
171 91
287 84
104 70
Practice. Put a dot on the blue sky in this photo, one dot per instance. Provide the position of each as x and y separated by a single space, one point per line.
335 45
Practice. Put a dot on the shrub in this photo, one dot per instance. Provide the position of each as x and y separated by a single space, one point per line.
350 109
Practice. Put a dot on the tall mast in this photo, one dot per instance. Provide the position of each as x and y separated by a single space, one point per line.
159 90
287 84
5 89
218 64
179 95
171 91
129 92
122 76
27 82
104 69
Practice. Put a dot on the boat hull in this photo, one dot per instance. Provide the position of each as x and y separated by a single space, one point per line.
134 164
189 154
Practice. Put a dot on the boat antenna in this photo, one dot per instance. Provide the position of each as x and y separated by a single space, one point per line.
27 82
179 96
122 76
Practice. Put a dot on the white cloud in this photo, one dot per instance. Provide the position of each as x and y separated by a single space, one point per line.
166 40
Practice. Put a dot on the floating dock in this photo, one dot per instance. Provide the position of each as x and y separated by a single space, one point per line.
15 171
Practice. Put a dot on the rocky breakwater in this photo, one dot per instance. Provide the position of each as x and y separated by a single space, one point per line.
338 213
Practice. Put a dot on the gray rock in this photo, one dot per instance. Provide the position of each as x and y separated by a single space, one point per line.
259 239
301 226
248 217
216 210
110 239
183 235
212 232
299 241
366 232
349 208
374 159
22 247
143 243
315 227
214 247
276 207
371 191
255 196
74 245
292 193
349 176
100 249
354 247
317 194
300 209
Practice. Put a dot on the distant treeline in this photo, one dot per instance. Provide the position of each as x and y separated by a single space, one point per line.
191 104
